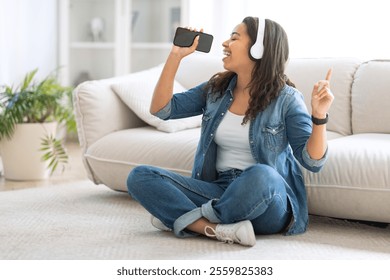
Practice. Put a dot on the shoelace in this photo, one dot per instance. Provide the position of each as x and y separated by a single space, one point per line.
221 237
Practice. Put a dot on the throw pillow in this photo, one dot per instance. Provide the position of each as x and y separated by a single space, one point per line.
136 92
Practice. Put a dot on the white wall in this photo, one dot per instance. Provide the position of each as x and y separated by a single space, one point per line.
332 28
28 38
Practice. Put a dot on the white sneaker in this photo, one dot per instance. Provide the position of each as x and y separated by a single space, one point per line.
241 233
158 224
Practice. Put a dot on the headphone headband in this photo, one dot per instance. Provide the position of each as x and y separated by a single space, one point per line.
258 47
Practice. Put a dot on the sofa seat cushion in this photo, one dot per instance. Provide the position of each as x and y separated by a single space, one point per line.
357 171
113 156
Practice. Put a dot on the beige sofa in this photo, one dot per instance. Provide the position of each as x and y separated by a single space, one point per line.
354 184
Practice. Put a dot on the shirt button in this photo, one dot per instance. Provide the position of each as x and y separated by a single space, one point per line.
197 174
211 135
223 114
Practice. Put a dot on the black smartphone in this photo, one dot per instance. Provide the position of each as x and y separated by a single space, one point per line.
185 38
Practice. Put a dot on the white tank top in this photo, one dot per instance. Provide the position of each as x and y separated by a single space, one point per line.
232 139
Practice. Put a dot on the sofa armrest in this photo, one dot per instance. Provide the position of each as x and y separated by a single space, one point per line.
99 111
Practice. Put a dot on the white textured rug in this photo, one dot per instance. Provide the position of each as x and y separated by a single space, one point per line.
84 221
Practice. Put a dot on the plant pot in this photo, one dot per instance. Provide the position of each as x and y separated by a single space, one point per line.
21 154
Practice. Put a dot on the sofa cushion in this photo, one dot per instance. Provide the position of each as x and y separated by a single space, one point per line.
304 73
198 68
371 98
113 156
357 171
136 91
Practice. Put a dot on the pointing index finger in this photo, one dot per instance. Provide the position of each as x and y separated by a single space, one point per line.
329 74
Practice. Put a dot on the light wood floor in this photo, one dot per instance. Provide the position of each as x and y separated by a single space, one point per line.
74 172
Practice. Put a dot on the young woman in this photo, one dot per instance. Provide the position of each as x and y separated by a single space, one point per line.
255 128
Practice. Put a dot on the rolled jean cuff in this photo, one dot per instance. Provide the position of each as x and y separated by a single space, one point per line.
184 220
208 212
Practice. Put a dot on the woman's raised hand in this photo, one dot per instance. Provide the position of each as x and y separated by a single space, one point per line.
184 51
322 97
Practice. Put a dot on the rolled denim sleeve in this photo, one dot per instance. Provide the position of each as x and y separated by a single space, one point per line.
313 165
165 112
185 104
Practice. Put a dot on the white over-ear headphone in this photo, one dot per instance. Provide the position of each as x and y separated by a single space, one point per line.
258 47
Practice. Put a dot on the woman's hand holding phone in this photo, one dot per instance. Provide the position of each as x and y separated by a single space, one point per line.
191 40
183 51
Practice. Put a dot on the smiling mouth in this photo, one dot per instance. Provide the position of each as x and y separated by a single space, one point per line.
226 53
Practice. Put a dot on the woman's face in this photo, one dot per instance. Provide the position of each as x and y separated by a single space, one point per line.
236 50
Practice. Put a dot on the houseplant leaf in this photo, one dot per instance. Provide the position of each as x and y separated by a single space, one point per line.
38 102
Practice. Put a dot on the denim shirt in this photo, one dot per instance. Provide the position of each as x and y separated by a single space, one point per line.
277 137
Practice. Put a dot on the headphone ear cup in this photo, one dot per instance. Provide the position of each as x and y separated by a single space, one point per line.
257 49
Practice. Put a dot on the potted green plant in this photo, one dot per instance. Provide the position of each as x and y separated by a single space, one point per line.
29 116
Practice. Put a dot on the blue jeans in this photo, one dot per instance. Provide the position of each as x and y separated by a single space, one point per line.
257 194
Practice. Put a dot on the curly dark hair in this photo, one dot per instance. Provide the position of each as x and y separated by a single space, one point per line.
268 76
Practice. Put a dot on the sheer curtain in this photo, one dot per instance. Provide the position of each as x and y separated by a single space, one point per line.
332 28
28 38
